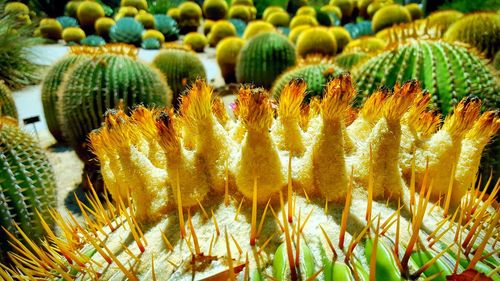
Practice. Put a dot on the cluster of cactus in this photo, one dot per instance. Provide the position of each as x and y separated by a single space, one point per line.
7 104
263 58
27 189
315 193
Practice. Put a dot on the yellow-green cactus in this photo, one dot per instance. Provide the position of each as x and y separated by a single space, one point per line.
207 26
376 5
316 41
271 9
103 25
415 11
196 41
50 29
295 32
88 12
138 4
72 7
16 8
342 37
366 44
303 20
346 6
226 55
220 30
146 19
190 16
279 19
306 10
215 9
444 19
390 15
240 12
257 27
152 33
175 13
126 12
73 35
333 10
7 104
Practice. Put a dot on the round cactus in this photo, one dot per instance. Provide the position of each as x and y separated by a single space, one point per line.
28 188
377 5
168 26
73 35
415 11
50 29
444 19
103 26
7 104
126 12
88 12
146 19
390 15
196 41
207 26
332 9
363 28
315 75
152 33
226 54
295 33
349 60
71 8
256 27
270 10
16 8
174 13
342 37
104 82
279 19
93 41
190 15
66 21
126 30
239 25
303 20
138 4
181 68
480 30
316 41
151 44
219 31
306 10
240 12
366 44
215 9
346 6
263 58
363 6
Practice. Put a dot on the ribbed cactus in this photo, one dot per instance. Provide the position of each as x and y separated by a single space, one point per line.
126 30
480 30
349 60
27 187
263 58
7 104
226 54
316 41
151 44
66 21
390 15
167 26
363 28
93 41
448 71
105 82
215 9
285 192
181 68
316 75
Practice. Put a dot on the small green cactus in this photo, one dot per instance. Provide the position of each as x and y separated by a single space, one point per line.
190 16
263 58
7 104
196 41
480 30
240 12
126 30
151 44
389 15
219 31
93 41
181 68
146 19
316 41
342 37
138 4
73 35
167 26
349 60
88 12
66 21
152 33
415 11
50 29
215 9
103 25
256 27
27 188
226 54
279 19
303 20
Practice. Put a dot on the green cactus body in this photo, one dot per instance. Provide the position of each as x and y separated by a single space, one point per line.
316 41
93 86
27 185
103 25
181 68
226 54
219 31
50 29
151 44
315 75
389 15
196 41
93 41
73 35
88 12
215 9
480 30
263 58
168 26
7 104
126 30
256 27
349 60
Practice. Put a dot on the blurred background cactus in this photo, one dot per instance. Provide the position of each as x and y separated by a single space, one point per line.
126 30
226 54
7 104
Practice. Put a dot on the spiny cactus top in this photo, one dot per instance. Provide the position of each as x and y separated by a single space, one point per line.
314 193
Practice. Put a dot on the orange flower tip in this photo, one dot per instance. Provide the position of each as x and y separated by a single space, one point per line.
401 100
427 123
166 131
291 98
196 104
338 97
255 108
463 117
372 107
486 126
219 110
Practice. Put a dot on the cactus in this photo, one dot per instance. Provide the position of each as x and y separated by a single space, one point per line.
50 29
480 30
257 27
316 41
239 25
66 21
207 26
444 19
126 12
340 202
295 32
146 19
92 86
415 11
27 189
346 6
219 31
367 44
151 33
151 44
342 37
103 26
215 9
174 13
363 28
88 12
71 8
16 8
331 9
181 68
7 104
263 58
126 30
240 12
93 41
270 10
226 54
138 4
167 26
363 7
73 35
316 75
390 15
190 15
303 20
377 5
196 41
349 60
279 19
306 10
